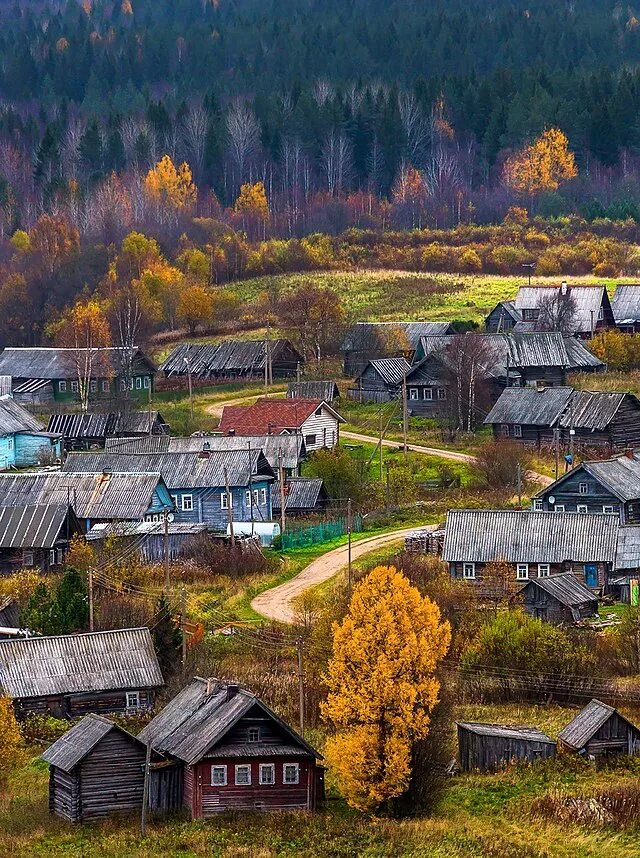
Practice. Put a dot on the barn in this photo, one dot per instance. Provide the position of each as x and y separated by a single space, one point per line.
559 599
83 431
236 754
232 359
488 747
600 730
303 496
326 390
96 769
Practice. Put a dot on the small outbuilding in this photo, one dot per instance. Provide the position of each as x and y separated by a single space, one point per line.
96 770
600 730
559 599
302 496
488 747
326 390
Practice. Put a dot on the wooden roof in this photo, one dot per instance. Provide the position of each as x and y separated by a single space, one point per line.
587 723
72 747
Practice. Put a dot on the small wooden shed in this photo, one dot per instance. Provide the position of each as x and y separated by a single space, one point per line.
96 770
559 599
600 730
488 747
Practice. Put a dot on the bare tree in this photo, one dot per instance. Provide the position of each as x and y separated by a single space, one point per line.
243 131
336 159
415 127
468 359
322 92
557 311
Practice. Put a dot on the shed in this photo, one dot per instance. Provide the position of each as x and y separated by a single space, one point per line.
559 599
81 431
381 380
488 747
9 614
626 307
36 536
600 730
96 769
303 496
326 390
70 675
503 318
148 539
233 359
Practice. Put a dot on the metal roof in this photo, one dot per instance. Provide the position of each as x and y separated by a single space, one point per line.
31 526
506 731
325 390
391 370
628 548
587 299
103 425
271 416
578 732
52 363
509 308
363 335
72 664
92 495
138 444
594 410
621 476
523 536
302 493
565 588
626 303
179 470
529 406
201 715
230 357
145 528
72 747
14 418
257 749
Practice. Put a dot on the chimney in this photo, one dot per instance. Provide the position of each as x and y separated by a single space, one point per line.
629 454
231 432
106 475
211 684
564 288
232 690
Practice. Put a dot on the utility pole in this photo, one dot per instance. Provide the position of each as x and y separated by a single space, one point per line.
388 487
167 563
556 444
229 507
150 421
349 544
519 477
405 414
145 791
266 358
298 372
381 435
188 363
251 489
282 491
183 611
572 431
90 600
592 325
300 687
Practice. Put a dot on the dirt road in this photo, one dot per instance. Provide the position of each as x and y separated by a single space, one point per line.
414 448
276 604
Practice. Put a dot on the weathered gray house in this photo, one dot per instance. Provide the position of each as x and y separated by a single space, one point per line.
600 731
503 318
626 307
82 431
325 390
303 496
533 544
489 747
559 599
536 416
233 359
601 486
592 308
381 380
36 537
96 769
70 675
367 341
147 539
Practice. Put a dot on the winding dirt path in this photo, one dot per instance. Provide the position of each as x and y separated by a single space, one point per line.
276 604
452 455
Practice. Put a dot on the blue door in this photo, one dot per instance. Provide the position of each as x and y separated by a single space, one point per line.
591 575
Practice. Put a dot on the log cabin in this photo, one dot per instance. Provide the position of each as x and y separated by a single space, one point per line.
235 753
558 599
36 537
233 359
600 730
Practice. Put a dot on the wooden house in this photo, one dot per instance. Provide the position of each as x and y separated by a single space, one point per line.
326 390
600 731
626 307
83 431
559 599
197 481
537 416
95 497
590 309
23 441
70 675
148 539
96 769
303 496
317 422
235 753
9 617
489 747
503 318
532 544
601 486
381 380
42 376
233 359
367 341
36 537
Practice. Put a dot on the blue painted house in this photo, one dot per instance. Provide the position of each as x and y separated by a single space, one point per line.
197 480
23 443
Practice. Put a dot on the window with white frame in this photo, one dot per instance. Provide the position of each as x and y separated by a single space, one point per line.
413 393
468 570
247 497
130 384
105 386
504 430
133 700
267 774
243 775
74 387
263 497
522 571
537 505
226 500
582 507
139 383
544 570
27 558
290 773
174 498
256 497
427 393
52 557
559 507
147 382
187 503
59 555
442 393
253 734
310 440
583 488
608 509
62 386
93 385
517 431
218 775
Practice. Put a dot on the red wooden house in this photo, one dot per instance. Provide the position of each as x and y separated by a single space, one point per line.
235 753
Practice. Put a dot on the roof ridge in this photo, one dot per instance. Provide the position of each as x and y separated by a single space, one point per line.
77 635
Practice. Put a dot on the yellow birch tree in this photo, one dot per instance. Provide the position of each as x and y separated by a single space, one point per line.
541 166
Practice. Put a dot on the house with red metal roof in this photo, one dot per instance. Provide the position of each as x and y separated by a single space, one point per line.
315 420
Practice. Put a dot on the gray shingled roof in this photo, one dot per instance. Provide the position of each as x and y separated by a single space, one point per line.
621 476
52 363
327 391
626 303
14 418
194 721
506 731
593 410
72 747
97 496
628 548
529 406
565 588
578 732
179 470
586 298
71 664
31 526
522 536
391 370
303 493
103 425
362 335
230 357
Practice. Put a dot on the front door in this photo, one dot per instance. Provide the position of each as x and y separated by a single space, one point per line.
591 575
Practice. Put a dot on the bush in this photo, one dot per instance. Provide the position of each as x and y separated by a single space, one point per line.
496 464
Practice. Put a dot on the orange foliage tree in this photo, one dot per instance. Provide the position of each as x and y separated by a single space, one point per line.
541 166
84 330
171 188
